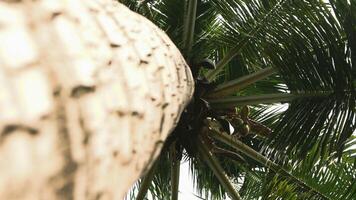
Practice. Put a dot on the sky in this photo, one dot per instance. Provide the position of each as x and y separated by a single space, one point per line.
186 188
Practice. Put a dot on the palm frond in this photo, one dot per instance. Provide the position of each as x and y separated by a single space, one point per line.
175 170
244 20
233 86
218 171
231 102
160 187
146 182
170 16
335 180
131 4
142 7
156 184
311 50
206 183
323 181
189 27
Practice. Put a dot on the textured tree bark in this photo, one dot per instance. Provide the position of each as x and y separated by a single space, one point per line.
88 93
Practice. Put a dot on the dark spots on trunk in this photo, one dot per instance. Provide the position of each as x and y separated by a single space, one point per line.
137 114
85 130
143 62
113 45
85 139
66 191
57 91
164 106
55 14
120 113
70 168
161 123
18 127
109 62
153 99
81 90
115 153
98 196
65 177
134 151
7 130
157 72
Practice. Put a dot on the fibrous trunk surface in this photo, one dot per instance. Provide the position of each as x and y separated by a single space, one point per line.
88 93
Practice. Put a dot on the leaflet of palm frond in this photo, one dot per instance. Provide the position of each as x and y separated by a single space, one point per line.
160 187
304 40
204 179
339 176
132 4
314 60
169 15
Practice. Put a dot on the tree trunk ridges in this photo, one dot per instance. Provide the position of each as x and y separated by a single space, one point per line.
88 93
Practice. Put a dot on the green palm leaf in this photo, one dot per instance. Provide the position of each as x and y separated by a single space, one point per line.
311 50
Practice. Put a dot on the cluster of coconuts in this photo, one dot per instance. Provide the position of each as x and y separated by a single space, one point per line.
238 120
241 127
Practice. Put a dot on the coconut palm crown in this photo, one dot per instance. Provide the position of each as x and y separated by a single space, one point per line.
279 72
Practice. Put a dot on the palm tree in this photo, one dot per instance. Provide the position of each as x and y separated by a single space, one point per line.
85 98
76 121
298 54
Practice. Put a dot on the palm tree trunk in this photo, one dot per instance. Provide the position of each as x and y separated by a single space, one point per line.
88 93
